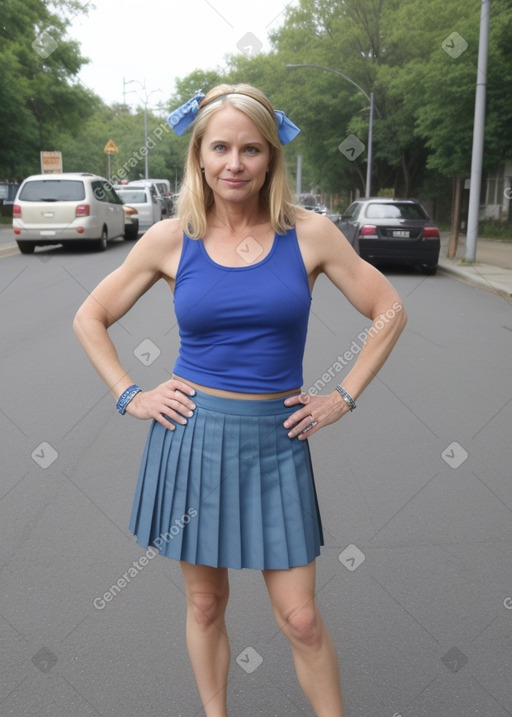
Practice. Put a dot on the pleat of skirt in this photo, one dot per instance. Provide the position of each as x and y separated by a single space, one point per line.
229 489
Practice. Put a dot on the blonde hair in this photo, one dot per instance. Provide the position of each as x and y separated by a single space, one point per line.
196 197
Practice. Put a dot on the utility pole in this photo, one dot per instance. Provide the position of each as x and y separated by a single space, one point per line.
478 133
145 103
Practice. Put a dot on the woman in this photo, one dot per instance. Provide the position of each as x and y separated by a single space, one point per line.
226 478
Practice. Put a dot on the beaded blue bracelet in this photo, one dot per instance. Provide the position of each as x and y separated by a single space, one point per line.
125 398
346 397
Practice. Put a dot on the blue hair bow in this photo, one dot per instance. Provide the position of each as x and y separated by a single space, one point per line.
183 116
286 130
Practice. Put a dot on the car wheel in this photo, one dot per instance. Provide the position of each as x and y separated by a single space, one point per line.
26 247
429 270
101 244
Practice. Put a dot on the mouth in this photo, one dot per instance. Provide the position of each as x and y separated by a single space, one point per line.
234 182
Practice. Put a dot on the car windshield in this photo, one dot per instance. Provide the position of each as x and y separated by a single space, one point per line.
397 210
53 190
133 196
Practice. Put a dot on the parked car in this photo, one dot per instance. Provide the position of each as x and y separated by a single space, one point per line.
162 193
131 222
164 188
8 192
145 200
392 231
65 209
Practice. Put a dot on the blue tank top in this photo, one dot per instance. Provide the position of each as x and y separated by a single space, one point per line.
242 328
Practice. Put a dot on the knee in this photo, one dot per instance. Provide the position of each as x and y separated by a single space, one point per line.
206 608
304 625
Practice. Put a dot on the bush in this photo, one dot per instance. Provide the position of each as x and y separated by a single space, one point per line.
493 229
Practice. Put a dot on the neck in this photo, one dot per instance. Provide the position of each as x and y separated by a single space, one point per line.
236 218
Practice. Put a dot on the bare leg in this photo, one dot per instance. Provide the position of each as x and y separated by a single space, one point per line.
207 641
292 593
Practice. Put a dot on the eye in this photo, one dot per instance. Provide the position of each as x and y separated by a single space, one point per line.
251 150
219 147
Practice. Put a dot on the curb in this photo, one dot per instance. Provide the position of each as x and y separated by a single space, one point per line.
9 250
478 280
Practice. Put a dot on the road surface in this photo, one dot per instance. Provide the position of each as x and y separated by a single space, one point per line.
414 489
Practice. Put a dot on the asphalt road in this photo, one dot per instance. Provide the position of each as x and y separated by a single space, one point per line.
6 235
414 487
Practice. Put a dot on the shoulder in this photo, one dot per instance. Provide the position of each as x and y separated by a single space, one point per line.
165 233
159 248
321 241
310 224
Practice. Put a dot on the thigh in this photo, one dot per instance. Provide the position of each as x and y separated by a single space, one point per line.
291 590
204 580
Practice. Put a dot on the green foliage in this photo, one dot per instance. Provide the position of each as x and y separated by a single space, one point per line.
39 96
423 85
83 150
493 229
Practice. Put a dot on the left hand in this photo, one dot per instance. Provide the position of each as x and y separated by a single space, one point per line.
316 412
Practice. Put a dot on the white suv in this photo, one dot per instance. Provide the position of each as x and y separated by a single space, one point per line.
66 208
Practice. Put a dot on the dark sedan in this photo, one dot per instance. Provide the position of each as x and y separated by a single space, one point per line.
392 231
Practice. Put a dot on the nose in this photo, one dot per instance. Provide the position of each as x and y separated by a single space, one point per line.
234 162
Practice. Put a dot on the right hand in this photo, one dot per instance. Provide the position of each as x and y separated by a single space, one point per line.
169 399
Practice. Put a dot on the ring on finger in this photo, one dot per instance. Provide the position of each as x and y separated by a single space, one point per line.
311 425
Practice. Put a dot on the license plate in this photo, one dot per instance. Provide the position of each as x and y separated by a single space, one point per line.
400 233
48 214
48 233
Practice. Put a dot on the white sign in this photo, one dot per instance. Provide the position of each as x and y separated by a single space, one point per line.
51 162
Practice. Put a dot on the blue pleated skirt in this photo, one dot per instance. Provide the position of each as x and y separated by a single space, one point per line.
229 489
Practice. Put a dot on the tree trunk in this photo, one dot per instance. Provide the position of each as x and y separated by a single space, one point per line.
405 172
456 199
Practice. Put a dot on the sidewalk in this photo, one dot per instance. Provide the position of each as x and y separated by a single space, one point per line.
492 270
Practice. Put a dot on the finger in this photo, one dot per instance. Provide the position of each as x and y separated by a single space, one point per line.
177 411
304 431
169 418
305 426
309 431
177 399
180 405
296 417
184 387
165 421
302 398
292 400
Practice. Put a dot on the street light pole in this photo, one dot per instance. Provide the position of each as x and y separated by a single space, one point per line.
145 103
478 134
370 151
370 99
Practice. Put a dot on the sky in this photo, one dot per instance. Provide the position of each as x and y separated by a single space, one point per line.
151 43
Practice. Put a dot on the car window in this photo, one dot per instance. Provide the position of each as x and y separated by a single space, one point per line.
99 191
133 196
53 190
110 195
352 211
395 211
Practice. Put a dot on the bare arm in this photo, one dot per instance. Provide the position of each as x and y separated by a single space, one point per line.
326 250
155 256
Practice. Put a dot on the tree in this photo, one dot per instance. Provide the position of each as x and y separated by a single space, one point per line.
83 150
39 96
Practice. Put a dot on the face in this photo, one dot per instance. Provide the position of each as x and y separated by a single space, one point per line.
235 156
